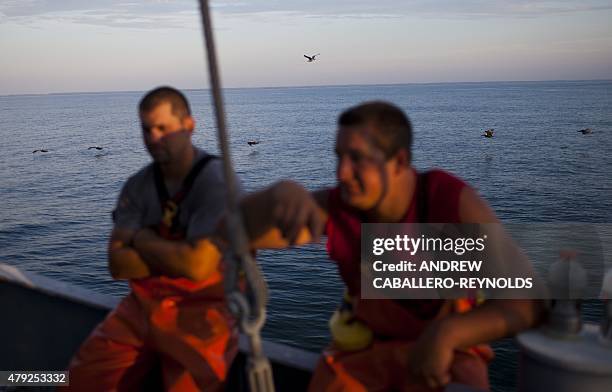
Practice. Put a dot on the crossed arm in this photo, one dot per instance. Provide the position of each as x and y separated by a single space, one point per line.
134 254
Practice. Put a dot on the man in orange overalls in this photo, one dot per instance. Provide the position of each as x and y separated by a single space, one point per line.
174 326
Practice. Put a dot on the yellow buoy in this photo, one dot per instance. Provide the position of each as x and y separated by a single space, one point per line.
348 333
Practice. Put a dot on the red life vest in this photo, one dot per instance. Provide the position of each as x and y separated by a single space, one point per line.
439 193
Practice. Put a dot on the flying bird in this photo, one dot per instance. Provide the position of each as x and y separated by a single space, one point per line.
96 147
41 150
312 58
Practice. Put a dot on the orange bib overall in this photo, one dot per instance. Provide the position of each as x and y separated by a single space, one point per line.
170 333
173 331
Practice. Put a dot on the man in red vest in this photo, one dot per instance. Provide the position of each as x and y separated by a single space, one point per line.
411 345
173 330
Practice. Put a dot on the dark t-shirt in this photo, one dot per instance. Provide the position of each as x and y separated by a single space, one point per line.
139 206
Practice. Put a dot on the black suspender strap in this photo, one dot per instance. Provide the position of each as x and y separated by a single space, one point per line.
162 192
160 185
169 226
193 173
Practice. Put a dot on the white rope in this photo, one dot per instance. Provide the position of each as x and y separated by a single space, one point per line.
250 308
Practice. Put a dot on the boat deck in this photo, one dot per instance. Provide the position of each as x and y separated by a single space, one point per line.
44 322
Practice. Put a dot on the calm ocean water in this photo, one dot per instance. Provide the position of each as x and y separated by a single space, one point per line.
55 209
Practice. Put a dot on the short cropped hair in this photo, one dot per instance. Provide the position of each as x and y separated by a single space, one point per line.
393 130
165 94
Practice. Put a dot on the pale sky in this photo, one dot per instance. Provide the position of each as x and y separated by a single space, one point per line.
133 45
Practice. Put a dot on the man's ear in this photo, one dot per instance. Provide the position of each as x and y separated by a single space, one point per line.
189 124
402 158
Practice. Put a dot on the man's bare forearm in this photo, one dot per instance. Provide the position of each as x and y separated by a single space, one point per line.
123 260
493 320
282 215
195 261
126 263
257 216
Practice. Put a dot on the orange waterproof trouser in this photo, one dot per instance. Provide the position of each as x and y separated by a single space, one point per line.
384 367
191 343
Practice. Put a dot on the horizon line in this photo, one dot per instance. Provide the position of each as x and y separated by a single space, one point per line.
310 86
